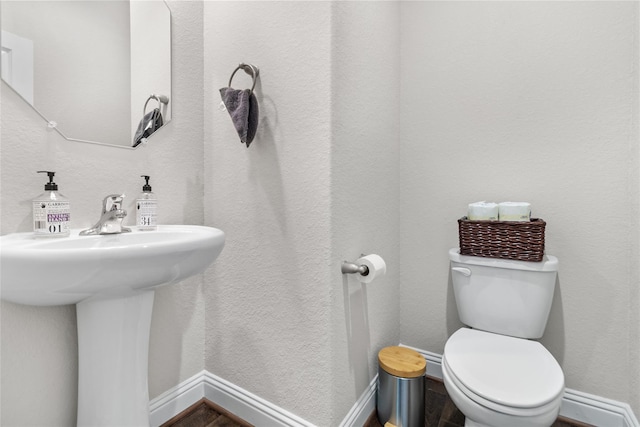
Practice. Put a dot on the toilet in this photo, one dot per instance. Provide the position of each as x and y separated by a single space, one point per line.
492 369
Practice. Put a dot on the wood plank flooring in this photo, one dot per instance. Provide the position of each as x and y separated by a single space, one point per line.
205 414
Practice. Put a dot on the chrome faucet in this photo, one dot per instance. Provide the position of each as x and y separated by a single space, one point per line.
111 218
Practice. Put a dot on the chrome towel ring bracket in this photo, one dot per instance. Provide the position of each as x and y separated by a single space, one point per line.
251 70
162 99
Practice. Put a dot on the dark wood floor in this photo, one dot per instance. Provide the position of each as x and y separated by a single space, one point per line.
206 414
439 412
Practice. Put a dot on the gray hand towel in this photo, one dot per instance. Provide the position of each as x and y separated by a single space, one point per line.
151 122
242 106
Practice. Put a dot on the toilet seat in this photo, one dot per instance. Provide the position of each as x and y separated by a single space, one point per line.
508 375
493 406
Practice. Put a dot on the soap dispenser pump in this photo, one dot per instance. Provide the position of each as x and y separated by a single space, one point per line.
51 211
146 207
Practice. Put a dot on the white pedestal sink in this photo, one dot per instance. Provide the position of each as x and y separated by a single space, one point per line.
111 279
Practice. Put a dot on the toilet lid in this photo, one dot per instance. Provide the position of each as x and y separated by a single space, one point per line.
508 371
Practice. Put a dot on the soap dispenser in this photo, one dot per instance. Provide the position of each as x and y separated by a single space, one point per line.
51 211
146 207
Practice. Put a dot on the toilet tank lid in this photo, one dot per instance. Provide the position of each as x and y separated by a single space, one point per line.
548 263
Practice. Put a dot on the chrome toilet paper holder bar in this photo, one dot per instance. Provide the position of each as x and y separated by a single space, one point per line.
353 268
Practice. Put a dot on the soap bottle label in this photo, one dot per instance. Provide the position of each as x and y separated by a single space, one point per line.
51 217
146 213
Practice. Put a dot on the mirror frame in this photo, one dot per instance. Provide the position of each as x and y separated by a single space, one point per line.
53 125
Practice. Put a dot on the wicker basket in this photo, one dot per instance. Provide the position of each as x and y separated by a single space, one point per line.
523 241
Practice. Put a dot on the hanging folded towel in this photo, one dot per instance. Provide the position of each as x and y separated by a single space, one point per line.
242 106
151 122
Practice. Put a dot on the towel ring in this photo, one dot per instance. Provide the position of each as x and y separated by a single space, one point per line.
252 70
162 99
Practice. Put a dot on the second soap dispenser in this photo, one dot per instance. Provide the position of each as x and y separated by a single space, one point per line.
146 208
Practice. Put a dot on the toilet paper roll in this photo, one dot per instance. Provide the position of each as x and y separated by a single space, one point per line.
515 211
376 266
482 211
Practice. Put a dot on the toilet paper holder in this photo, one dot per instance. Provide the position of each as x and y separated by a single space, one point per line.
367 268
353 268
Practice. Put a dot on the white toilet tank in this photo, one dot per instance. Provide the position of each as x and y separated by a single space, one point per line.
504 296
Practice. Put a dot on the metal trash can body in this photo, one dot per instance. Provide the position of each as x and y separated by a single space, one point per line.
400 399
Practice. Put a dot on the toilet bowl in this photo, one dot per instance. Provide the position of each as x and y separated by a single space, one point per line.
500 381
493 371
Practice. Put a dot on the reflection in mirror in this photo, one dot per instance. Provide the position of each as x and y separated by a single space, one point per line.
97 71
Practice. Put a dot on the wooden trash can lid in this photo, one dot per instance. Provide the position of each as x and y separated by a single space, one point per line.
402 362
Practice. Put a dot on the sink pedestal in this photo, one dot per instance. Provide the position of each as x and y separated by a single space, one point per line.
113 350
111 278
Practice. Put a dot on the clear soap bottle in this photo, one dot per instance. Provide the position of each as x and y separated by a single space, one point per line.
146 208
51 211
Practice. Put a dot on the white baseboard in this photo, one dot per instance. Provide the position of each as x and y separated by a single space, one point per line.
234 399
248 406
597 410
583 407
177 399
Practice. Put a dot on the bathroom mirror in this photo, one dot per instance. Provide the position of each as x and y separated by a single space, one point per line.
91 69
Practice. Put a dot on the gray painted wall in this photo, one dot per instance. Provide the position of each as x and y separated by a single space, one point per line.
421 106
538 102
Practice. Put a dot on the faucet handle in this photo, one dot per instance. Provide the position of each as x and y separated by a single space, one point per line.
112 202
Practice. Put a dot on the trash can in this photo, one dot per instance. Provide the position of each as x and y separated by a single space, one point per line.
400 399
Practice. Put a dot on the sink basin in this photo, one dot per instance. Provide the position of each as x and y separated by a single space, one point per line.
56 271
112 280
